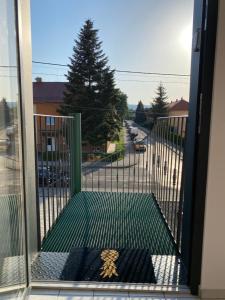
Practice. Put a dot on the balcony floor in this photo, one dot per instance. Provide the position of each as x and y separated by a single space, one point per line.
131 223
110 220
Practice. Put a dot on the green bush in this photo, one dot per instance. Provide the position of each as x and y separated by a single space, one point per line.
109 157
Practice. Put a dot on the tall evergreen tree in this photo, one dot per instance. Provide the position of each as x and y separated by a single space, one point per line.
140 116
91 89
159 104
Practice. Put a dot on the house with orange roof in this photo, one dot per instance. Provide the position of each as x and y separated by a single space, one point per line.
178 108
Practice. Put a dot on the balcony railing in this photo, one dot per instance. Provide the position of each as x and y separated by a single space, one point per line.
151 164
168 136
129 170
53 136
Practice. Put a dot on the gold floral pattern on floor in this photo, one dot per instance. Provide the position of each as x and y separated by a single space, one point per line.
109 257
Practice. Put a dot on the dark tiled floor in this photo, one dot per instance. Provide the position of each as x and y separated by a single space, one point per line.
168 269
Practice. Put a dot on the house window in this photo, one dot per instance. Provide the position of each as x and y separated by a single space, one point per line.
50 120
50 144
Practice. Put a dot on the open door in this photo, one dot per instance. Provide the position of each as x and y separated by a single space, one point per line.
14 275
196 156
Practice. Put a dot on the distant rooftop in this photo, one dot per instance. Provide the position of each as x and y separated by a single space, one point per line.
48 92
178 105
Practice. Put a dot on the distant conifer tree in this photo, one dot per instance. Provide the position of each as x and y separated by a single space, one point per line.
159 104
140 116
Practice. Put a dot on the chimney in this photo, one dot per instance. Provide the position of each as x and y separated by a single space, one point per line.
38 79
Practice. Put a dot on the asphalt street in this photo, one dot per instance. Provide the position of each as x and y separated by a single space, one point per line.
135 173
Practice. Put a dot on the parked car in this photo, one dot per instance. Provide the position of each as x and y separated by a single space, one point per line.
129 128
140 146
50 176
44 176
47 175
133 133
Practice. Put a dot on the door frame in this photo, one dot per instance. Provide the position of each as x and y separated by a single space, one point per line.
23 28
198 133
196 156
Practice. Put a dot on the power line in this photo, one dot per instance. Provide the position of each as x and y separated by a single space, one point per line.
8 66
126 80
48 63
116 70
119 71
153 73
119 79
140 76
119 74
147 81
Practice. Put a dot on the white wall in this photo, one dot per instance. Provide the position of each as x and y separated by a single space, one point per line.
213 263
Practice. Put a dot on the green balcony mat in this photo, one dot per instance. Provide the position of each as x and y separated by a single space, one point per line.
110 220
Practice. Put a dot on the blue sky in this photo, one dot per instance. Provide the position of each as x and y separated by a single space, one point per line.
138 35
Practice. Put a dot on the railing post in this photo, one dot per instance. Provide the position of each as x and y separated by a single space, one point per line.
153 139
37 186
76 154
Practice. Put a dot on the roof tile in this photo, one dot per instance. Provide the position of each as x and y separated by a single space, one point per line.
48 92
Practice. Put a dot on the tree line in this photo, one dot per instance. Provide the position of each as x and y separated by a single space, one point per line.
146 117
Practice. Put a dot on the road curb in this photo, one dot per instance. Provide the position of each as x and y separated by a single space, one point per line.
111 167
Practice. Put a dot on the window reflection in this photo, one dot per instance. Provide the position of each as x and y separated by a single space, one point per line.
12 258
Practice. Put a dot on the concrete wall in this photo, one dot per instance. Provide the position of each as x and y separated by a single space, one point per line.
213 263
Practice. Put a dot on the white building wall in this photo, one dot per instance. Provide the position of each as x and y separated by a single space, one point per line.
213 263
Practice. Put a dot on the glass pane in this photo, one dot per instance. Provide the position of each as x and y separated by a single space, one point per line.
12 237
50 121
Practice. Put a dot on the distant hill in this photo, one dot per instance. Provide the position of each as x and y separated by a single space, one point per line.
134 106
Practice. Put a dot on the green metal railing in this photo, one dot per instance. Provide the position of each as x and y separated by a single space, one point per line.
58 166
151 162
76 154
169 135
129 170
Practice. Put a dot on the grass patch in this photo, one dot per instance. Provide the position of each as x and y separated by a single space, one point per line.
120 145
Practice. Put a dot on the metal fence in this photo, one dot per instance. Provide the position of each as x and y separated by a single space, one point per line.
151 164
128 170
53 137
169 141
